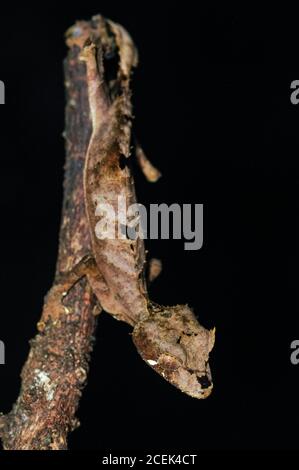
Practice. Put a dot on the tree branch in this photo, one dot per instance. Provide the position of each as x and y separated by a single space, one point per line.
57 365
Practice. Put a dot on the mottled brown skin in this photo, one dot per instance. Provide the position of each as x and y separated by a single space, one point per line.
121 290
169 339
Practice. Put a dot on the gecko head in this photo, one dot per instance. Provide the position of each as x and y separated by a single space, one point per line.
176 346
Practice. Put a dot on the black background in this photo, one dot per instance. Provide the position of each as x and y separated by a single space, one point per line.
212 107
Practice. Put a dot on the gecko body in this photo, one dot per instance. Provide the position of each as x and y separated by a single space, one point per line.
169 339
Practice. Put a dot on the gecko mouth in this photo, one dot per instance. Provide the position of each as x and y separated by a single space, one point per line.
193 383
204 381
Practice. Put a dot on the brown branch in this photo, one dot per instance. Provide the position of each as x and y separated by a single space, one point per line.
57 366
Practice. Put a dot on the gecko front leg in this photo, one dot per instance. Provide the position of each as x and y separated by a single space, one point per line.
53 306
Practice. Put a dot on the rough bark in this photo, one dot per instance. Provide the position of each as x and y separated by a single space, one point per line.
57 366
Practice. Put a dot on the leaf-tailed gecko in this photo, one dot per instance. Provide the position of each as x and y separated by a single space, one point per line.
169 339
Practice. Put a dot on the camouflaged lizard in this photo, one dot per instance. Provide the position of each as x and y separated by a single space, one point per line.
169 339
